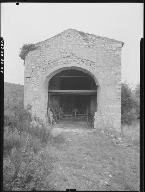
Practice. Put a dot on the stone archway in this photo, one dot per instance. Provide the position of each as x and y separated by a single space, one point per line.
108 100
77 68
74 91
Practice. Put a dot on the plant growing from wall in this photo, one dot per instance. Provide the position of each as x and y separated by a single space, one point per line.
26 48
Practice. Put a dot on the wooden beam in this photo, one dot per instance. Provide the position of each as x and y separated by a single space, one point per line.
82 92
66 76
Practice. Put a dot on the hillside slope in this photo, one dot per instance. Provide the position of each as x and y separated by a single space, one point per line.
13 96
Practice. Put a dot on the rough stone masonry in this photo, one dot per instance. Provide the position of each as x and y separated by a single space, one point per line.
98 57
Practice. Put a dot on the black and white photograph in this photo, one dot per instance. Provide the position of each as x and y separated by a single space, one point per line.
71 96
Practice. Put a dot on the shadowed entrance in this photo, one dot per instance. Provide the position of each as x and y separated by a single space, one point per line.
72 96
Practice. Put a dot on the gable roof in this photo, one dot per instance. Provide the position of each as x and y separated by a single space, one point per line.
85 37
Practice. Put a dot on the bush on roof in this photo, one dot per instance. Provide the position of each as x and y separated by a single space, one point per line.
26 48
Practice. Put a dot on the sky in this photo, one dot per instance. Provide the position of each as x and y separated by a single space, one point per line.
35 22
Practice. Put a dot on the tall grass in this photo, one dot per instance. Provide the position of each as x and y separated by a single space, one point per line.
25 166
131 133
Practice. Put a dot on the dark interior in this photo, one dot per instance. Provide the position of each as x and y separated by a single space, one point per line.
72 90
72 80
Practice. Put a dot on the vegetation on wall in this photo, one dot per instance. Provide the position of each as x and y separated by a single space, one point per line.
26 48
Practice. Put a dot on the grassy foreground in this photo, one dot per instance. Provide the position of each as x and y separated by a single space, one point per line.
83 159
37 159
93 161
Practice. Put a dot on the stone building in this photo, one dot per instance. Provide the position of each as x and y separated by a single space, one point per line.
75 71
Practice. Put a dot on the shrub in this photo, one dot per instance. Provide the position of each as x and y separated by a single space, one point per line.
20 120
37 129
11 140
23 141
128 105
26 49
24 166
128 117
137 100
25 170
127 102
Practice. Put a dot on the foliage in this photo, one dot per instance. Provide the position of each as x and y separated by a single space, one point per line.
24 168
137 91
26 48
126 98
129 105
131 133
25 165
11 140
13 96
39 131
137 99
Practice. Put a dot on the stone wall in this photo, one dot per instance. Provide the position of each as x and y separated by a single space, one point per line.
98 57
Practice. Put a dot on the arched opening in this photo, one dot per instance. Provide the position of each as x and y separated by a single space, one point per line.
72 96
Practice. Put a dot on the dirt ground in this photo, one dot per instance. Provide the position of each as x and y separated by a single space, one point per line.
90 160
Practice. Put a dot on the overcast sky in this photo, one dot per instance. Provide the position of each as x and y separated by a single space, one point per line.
34 22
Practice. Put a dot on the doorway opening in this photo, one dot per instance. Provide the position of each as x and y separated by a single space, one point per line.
72 96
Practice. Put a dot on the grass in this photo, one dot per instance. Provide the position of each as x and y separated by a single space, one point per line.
131 133
35 159
84 160
25 165
91 161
